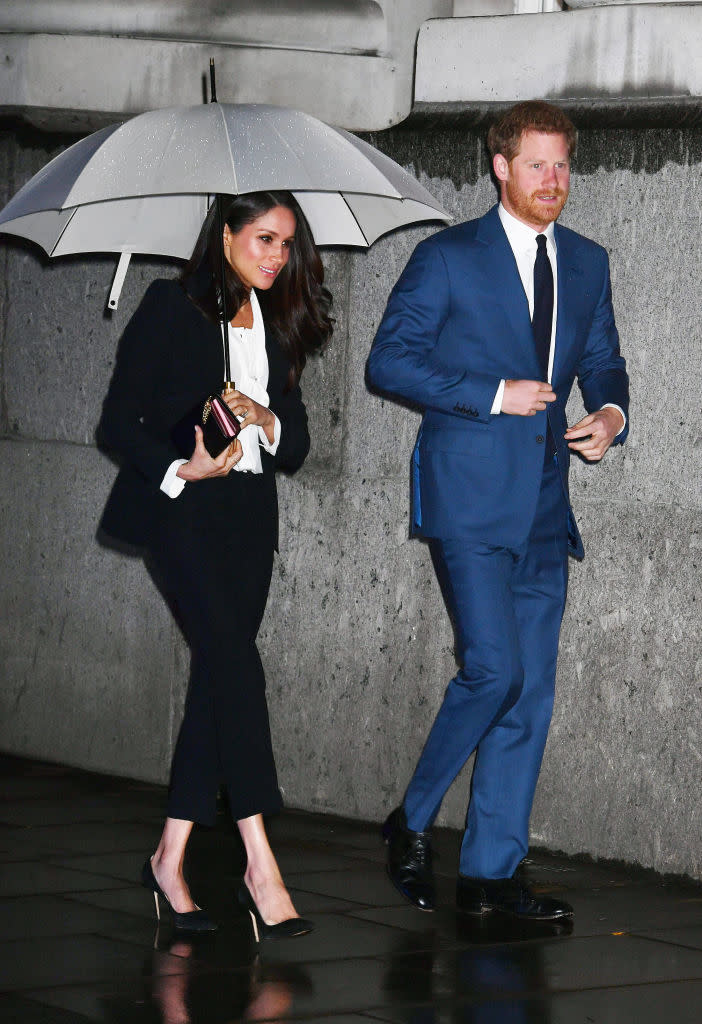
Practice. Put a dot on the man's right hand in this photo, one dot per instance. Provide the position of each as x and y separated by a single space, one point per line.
526 397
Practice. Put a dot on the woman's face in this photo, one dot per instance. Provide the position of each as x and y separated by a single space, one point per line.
260 250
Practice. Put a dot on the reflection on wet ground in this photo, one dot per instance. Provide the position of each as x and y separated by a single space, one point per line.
80 943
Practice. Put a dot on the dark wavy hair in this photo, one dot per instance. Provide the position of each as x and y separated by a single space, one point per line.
297 305
505 134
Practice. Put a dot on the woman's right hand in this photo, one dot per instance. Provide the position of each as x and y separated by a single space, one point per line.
201 465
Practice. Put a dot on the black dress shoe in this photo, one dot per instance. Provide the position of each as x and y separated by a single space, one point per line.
508 896
409 861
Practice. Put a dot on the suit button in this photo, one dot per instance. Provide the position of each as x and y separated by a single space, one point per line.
539 438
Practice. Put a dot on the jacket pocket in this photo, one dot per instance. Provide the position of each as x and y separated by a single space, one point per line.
460 441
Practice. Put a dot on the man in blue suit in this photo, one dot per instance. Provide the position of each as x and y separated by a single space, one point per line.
486 330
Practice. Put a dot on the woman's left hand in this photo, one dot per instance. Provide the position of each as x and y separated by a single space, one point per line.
252 413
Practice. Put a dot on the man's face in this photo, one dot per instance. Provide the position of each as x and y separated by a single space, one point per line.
534 184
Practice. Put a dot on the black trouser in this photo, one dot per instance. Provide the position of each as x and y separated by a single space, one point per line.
218 582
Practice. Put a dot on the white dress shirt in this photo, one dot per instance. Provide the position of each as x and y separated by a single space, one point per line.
249 371
522 240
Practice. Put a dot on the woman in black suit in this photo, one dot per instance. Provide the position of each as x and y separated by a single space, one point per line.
210 524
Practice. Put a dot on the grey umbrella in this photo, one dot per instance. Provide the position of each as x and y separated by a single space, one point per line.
144 186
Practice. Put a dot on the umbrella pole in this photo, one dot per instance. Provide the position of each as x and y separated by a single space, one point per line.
228 383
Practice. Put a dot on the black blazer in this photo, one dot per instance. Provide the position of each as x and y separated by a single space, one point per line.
170 357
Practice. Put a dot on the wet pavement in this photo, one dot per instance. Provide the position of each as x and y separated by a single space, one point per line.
80 942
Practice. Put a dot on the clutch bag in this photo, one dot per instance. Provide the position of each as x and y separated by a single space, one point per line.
219 427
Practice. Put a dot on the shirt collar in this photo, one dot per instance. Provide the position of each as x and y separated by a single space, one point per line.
520 236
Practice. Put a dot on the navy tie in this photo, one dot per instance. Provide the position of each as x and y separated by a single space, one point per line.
542 319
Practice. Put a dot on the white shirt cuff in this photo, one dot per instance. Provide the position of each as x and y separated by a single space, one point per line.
171 484
271 447
497 402
611 405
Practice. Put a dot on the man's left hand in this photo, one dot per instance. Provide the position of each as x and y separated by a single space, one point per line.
592 435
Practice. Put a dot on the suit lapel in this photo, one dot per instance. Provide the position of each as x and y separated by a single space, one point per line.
569 282
200 366
278 366
501 266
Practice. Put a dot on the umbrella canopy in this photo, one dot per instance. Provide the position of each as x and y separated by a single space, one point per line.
144 186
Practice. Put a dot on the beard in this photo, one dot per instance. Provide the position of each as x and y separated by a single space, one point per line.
527 207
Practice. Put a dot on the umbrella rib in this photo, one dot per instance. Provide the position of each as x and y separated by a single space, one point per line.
55 246
300 162
235 190
358 223
284 142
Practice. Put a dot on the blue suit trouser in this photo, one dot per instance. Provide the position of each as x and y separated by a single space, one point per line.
507 605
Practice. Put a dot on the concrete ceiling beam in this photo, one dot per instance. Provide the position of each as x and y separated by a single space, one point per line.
622 64
77 65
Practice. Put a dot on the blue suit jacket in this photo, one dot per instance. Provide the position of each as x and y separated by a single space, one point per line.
456 323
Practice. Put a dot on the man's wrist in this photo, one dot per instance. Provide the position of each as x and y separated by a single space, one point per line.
620 419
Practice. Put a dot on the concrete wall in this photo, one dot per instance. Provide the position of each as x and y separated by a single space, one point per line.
356 643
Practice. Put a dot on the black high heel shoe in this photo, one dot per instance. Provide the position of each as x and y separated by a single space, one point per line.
289 929
192 921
